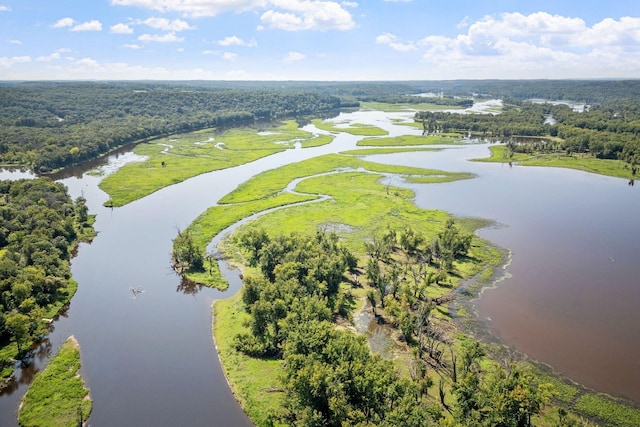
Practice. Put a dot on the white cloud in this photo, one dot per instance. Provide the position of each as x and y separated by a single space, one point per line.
294 57
209 52
164 24
121 29
195 8
93 25
4 8
229 56
395 43
538 44
289 15
16 42
134 46
236 41
64 22
161 38
53 56
308 15
6 62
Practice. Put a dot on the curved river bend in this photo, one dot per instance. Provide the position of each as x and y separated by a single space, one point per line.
149 359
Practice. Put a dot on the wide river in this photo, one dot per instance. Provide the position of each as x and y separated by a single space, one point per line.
570 297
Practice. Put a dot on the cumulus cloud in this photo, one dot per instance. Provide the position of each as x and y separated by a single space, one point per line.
294 57
121 29
53 56
289 15
236 41
161 38
538 44
308 15
395 43
16 42
6 62
63 23
4 8
134 46
164 24
93 25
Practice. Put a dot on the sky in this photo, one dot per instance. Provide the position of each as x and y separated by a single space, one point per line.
318 39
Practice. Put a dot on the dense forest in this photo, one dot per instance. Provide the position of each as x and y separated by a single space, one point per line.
39 226
330 376
610 130
51 125
46 126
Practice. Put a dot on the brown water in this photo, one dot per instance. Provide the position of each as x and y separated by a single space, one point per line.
572 292
149 359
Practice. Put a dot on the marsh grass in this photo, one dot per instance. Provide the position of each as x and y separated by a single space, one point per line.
582 162
174 159
57 396
410 140
351 128
255 382
607 409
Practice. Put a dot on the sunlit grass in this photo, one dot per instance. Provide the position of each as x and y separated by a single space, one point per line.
583 162
57 396
409 140
348 127
255 382
177 158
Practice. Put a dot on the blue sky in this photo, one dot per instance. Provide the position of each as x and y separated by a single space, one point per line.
318 40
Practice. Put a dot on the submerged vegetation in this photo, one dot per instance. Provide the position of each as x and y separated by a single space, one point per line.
39 227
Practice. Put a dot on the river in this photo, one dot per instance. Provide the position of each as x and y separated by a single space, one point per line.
149 359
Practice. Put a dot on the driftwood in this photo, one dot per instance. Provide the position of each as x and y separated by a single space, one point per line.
444 299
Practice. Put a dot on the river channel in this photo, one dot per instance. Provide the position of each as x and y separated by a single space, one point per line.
569 299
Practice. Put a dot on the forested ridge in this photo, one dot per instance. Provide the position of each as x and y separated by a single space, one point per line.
46 126
39 226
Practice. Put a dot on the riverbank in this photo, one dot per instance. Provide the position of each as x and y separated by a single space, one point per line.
308 218
582 162
57 397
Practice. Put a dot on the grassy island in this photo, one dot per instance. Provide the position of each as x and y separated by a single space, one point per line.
583 162
174 159
57 397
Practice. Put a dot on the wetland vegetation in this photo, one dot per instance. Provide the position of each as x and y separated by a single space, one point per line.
287 342
57 397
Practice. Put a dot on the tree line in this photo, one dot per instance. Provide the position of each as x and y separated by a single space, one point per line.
46 126
39 226
610 130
